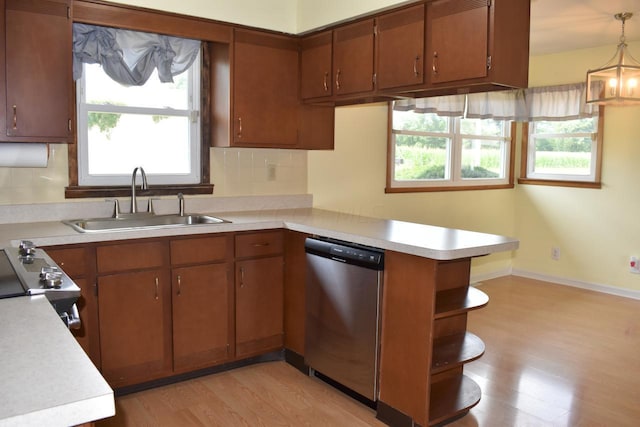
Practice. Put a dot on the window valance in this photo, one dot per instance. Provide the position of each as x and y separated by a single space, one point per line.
563 102
130 57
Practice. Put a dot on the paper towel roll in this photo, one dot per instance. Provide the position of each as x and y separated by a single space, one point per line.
19 155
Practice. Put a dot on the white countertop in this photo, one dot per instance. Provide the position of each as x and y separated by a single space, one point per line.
46 379
416 239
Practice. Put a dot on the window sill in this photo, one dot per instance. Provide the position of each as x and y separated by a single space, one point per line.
559 183
451 188
79 192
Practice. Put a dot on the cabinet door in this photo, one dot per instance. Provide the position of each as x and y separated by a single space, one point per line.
400 48
135 326
259 305
315 66
265 90
38 69
353 58
458 39
201 306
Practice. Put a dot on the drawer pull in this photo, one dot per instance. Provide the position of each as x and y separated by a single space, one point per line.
260 245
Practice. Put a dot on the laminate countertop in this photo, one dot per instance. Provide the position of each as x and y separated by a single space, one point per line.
46 378
412 238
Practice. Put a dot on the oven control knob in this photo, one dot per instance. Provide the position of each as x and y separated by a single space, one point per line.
51 277
27 248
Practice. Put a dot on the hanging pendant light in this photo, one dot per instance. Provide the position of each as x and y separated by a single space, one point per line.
617 82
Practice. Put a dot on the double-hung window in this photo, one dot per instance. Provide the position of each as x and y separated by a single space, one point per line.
138 105
156 126
429 152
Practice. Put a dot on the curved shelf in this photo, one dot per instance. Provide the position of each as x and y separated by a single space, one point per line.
455 350
452 397
459 300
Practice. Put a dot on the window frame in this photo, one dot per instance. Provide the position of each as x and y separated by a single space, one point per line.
74 190
455 151
525 158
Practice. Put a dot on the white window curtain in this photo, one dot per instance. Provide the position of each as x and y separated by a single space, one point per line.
548 103
450 106
130 57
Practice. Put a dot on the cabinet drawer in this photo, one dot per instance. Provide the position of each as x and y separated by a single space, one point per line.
132 256
198 251
71 260
259 244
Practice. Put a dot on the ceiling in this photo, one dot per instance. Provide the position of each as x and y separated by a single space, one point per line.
562 25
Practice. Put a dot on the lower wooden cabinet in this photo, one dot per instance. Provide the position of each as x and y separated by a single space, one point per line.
201 309
259 292
259 305
135 326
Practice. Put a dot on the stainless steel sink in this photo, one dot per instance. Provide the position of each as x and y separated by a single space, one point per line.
138 221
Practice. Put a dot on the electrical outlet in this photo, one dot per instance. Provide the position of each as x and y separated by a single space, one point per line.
271 172
634 265
555 253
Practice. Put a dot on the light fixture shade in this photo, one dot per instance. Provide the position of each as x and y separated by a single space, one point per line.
617 82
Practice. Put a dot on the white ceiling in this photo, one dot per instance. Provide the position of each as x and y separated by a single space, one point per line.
561 25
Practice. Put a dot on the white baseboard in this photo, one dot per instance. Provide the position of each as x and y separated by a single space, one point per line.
607 289
476 278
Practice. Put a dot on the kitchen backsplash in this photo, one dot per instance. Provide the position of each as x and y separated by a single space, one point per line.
235 172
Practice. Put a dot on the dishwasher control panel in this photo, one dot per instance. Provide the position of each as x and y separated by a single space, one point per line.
349 253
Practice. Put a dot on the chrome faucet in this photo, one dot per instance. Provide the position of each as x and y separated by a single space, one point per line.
144 186
180 204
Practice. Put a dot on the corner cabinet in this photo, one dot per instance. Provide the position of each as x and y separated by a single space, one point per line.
477 41
428 300
35 71
255 83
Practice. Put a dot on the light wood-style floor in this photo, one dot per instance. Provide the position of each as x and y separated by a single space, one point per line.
555 356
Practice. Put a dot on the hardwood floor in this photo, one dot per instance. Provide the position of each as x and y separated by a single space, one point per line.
555 357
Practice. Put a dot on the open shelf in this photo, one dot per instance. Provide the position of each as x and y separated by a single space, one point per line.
452 397
459 300
455 350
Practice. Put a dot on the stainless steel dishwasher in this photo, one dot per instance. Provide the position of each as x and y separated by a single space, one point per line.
343 294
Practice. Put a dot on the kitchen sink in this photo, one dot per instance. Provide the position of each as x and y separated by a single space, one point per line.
138 221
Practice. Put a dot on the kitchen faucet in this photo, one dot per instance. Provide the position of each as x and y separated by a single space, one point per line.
144 186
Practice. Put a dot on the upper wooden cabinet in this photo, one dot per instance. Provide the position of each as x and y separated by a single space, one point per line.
400 48
316 66
255 99
471 42
35 77
353 55
265 89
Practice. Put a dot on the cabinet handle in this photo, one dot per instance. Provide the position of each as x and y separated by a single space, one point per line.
157 286
242 277
239 127
338 79
415 66
15 117
179 285
435 63
260 245
325 83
